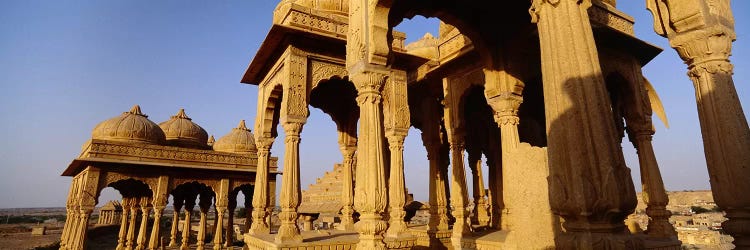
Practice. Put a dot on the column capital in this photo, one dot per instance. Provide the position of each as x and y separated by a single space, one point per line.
263 143
292 129
536 6
367 81
505 106
395 139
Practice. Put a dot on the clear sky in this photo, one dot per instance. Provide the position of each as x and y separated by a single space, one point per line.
67 65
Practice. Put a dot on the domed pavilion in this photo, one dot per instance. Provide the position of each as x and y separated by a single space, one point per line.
147 163
540 93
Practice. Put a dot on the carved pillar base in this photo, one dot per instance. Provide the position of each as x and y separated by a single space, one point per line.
738 225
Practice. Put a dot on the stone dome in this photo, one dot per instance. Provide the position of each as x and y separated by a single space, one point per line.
181 131
239 140
131 126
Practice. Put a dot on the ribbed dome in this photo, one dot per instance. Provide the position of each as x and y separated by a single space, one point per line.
239 140
131 126
181 131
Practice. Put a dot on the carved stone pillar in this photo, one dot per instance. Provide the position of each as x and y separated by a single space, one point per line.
130 241
122 236
438 200
290 187
260 192
159 202
347 191
495 179
83 221
459 193
590 186
177 206
143 229
481 215
370 196
86 200
232 204
654 194
203 206
702 32
189 205
396 187
248 212
219 226
505 106
70 211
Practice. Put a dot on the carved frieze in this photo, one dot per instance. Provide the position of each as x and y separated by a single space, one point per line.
323 24
163 154
610 18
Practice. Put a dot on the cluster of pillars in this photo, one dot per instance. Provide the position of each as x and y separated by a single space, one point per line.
188 204
109 217
134 233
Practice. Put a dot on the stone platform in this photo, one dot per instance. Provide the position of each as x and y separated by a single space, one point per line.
312 240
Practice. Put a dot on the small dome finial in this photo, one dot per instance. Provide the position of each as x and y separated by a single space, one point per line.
242 125
136 110
211 140
181 115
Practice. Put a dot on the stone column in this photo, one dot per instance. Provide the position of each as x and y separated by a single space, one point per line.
654 194
153 242
178 201
347 191
204 205
71 220
79 241
459 194
260 192
396 186
121 237
143 229
702 33
495 179
505 107
248 212
290 187
481 215
232 204
219 226
189 205
130 241
202 227
437 199
590 186
370 195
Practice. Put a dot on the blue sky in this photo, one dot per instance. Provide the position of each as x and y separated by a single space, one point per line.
67 65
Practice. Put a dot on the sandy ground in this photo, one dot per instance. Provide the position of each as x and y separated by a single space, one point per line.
24 240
